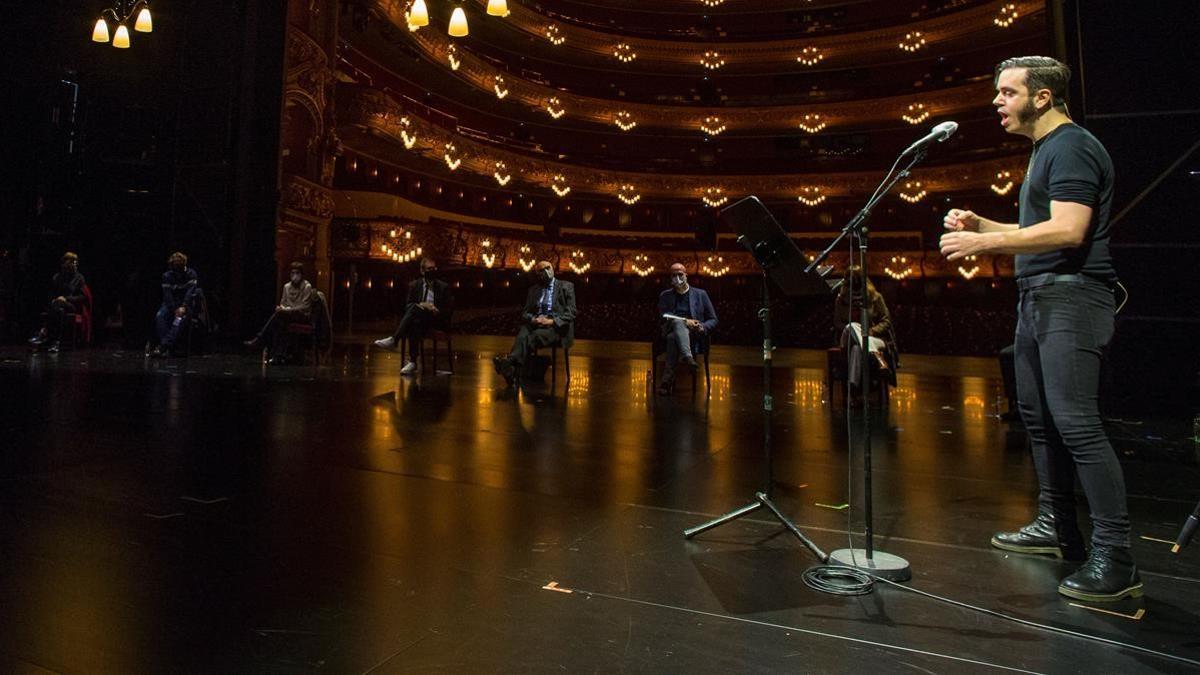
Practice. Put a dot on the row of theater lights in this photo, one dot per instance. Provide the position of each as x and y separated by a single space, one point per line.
912 41
715 197
899 269
712 125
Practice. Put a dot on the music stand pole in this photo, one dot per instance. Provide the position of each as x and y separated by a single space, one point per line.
763 497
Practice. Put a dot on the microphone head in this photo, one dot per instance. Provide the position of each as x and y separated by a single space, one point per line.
945 130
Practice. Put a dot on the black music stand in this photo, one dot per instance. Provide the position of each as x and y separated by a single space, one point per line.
782 263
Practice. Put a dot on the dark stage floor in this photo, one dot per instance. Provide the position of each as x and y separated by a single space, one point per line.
210 516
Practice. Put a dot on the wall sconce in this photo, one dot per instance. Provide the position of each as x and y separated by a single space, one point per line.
916 114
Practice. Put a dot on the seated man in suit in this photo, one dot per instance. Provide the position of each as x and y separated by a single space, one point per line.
428 304
547 319
67 298
180 302
295 306
686 312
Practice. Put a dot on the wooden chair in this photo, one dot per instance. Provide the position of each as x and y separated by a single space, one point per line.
434 335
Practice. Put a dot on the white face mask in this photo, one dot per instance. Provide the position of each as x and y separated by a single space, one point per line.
679 280
296 278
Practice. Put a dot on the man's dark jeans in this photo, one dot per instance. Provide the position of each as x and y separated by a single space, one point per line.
1063 324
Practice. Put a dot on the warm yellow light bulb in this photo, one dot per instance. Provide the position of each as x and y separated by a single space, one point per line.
121 39
100 32
144 23
497 8
458 23
418 14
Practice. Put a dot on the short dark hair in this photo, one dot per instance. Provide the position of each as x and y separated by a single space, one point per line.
428 259
177 256
297 266
68 257
1041 72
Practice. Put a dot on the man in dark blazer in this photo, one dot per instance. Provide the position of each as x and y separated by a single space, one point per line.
548 318
428 304
686 313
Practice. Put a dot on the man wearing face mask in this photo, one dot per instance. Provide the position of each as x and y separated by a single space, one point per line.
295 306
428 304
687 313
548 318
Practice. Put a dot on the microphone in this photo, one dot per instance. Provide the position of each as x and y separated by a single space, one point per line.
1189 528
939 134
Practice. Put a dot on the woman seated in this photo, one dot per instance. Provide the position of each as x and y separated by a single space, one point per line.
847 312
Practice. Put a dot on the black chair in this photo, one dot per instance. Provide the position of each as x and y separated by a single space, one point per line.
318 329
566 349
659 347
837 375
434 335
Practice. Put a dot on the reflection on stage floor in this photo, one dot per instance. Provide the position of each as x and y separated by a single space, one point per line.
212 514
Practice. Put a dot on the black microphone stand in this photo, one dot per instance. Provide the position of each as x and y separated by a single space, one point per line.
878 563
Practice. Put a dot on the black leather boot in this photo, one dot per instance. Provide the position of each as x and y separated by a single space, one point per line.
1041 537
1108 575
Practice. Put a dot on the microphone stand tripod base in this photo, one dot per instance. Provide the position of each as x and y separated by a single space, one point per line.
882 565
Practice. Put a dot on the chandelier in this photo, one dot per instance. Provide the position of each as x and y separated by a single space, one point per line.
912 41
624 120
641 265
489 257
712 125
559 185
501 174
715 267
417 16
628 194
813 122
811 195
969 273
913 192
810 56
916 114
526 265
579 263
712 60
120 13
714 197
1008 14
401 247
1004 183
902 271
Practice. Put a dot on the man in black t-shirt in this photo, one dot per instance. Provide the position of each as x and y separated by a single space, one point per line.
1065 319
